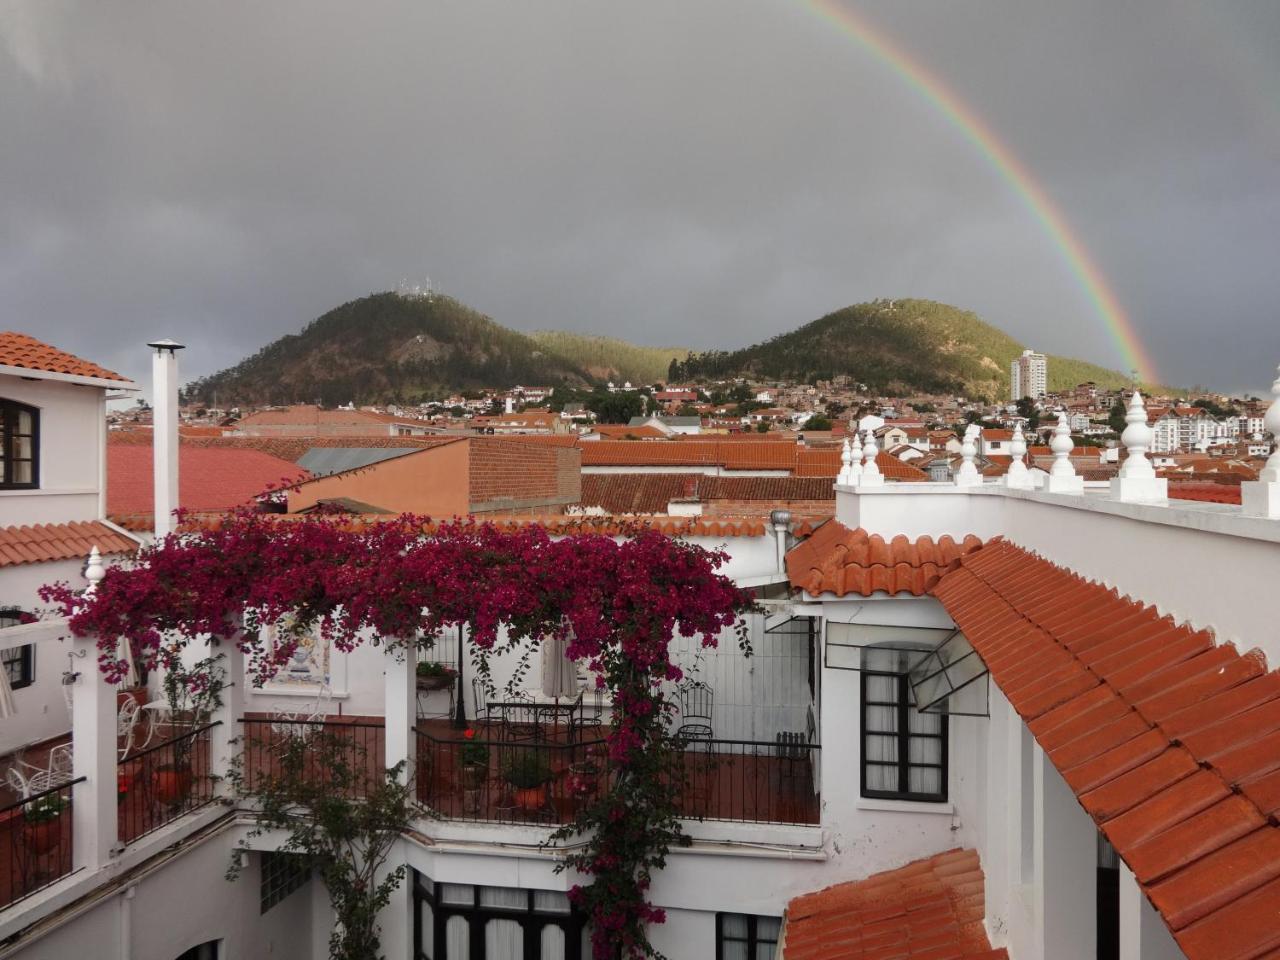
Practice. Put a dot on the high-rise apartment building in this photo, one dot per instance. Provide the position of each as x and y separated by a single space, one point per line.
1029 375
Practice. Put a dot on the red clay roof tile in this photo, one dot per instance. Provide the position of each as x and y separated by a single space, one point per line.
21 350
44 542
1153 726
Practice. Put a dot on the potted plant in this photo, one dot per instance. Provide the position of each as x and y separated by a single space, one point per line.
528 772
475 761
192 694
42 823
435 676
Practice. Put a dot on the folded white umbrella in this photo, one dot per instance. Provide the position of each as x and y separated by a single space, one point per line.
559 673
8 707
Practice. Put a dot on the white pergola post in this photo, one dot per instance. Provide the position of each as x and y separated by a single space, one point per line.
401 703
225 739
93 745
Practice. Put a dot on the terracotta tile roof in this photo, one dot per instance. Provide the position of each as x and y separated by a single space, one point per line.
932 908
283 448
21 350
620 431
766 488
208 478
843 561
1172 744
44 542
631 453
623 493
1205 492
819 462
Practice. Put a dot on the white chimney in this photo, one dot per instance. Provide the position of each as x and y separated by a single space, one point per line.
164 430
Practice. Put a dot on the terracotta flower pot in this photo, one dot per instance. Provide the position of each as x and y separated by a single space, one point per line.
43 835
440 682
173 785
530 798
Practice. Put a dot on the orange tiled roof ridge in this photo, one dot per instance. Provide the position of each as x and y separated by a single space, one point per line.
930 908
836 559
25 351
46 542
1170 742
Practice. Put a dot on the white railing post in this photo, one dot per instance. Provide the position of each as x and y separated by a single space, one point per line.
1137 481
226 739
93 757
1261 497
400 707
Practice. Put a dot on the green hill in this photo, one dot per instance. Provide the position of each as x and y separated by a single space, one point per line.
895 347
389 347
606 358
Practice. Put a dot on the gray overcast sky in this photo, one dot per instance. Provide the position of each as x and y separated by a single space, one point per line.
700 172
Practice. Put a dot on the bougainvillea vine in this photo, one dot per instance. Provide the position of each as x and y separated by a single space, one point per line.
615 602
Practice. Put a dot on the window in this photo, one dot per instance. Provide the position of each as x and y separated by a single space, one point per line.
458 920
282 873
19 443
904 751
740 936
19 665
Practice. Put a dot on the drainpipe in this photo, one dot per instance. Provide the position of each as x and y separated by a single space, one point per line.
164 430
126 923
781 520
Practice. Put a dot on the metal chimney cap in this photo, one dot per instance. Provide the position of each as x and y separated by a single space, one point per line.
780 518
173 346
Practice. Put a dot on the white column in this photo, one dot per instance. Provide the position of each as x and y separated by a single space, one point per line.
226 738
968 475
1062 475
1261 497
1066 867
1137 481
93 744
1018 477
164 432
401 703
1143 934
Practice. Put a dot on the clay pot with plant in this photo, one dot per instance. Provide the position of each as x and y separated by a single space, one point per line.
528 772
42 823
475 761
192 694
435 676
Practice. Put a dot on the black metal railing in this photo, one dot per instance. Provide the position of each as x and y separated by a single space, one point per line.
35 842
509 781
358 745
750 781
161 783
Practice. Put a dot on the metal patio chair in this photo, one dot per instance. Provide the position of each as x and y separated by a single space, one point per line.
697 703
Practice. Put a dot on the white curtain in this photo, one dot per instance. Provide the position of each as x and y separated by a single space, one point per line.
132 677
8 707
559 673
503 940
457 939
552 942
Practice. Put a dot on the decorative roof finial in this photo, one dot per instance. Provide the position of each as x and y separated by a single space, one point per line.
1062 475
1261 497
967 475
1018 477
855 459
1137 481
93 571
846 464
871 475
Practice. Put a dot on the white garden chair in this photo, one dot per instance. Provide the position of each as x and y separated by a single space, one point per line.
126 726
26 779
288 721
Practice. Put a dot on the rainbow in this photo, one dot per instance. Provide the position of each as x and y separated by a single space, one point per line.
1033 196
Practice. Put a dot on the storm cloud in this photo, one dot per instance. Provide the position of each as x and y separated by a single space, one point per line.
696 172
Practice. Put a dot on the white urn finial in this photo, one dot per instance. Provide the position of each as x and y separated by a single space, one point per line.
967 475
1271 424
1062 475
855 458
871 475
1018 477
93 570
1261 497
846 462
1137 481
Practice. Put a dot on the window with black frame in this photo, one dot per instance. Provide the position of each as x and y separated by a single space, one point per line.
19 662
456 921
742 936
19 446
904 751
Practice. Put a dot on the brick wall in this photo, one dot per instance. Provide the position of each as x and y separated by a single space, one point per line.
506 475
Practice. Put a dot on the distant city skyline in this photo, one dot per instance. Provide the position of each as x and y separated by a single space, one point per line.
689 175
